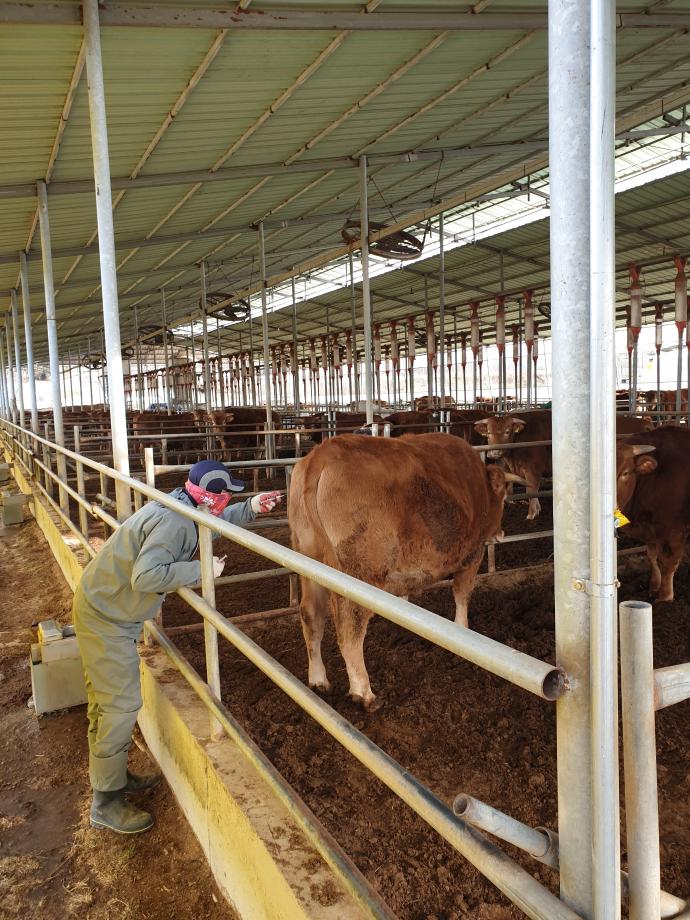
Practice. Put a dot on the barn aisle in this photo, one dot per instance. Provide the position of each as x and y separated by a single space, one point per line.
52 864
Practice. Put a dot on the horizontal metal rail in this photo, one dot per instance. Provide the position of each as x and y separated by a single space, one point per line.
535 900
671 685
543 679
320 838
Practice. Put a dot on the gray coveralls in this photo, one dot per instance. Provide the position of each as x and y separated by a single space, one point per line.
125 584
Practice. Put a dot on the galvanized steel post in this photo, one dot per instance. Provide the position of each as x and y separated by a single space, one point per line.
49 293
106 252
204 343
8 384
441 314
10 374
602 445
4 399
264 338
17 356
168 396
366 292
569 31
295 359
639 758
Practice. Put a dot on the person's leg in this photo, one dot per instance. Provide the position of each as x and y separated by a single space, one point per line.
111 664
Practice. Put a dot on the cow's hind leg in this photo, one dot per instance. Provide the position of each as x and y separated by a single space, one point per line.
463 584
654 570
671 551
351 627
313 611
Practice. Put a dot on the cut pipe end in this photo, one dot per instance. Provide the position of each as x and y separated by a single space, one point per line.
555 684
461 804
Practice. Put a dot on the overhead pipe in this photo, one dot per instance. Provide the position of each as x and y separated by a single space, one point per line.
681 301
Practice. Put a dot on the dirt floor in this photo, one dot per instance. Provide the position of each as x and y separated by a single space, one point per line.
52 864
453 725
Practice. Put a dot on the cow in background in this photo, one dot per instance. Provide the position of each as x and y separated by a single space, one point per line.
399 513
653 492
530 463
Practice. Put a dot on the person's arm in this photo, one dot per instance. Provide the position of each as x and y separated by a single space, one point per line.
239 513
158 569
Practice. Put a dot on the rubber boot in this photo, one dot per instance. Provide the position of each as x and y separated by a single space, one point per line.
137 782
112 811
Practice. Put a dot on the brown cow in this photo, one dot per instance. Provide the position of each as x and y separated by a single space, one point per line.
411 422
531 463
234 429
653 492
318 425
399 513
534 463
666 401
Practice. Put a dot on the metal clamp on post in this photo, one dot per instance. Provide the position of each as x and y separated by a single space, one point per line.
595 590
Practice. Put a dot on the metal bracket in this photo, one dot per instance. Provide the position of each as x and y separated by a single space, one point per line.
593 589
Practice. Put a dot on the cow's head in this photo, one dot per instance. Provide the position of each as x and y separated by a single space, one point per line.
632 461
499 430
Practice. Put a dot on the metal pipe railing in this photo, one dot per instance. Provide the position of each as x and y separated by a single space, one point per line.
539 677
511 879
671 685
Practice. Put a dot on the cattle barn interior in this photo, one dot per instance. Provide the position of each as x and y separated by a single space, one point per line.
286 235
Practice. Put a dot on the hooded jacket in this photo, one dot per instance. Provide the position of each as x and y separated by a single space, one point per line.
150 554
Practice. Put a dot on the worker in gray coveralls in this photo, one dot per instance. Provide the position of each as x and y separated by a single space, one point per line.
150 554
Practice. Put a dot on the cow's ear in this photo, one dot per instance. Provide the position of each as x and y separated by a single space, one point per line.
496 477
518 424
482 427
645 464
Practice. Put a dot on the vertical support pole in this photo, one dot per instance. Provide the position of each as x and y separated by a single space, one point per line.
10 375
81 487
71 379
88 345
149 467
4 398
441 313
208 590
17 357
639 758
264 337
195 391
366 292
139 377
252 366
586 793
353 311
166 357
603 557
49 289
295 359
106 252
204 327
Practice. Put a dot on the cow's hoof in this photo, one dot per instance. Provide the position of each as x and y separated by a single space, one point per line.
323 688
663 598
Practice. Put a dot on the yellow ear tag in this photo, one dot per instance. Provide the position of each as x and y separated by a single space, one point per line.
619 519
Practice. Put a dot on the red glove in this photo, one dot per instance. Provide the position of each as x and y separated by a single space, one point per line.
265 501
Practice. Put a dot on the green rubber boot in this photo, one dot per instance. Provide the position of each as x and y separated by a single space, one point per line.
112 811
137 782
